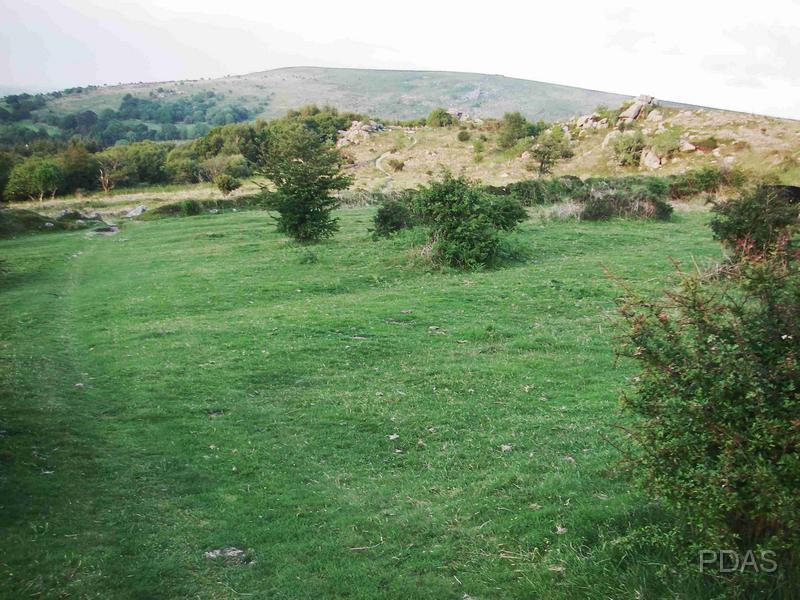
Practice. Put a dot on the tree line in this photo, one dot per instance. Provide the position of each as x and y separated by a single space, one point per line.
24 119
48 168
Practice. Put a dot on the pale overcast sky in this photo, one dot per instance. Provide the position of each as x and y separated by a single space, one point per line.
727 54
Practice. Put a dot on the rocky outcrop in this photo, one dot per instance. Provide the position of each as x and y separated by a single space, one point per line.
636 109
592 121
610 137
136 212
650 159
654 116
686 145
358 132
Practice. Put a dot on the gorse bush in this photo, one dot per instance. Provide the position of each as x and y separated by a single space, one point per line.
626 197
757 222
465 221
691 183
439 117
717 404
393 215
535 192
463 135
506 212
667 142
627 148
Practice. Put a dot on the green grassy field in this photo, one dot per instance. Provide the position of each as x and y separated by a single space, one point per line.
198 383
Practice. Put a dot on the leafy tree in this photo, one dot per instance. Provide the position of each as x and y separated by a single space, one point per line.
513 128
79 167
305 169
48 177
20 182
182 164
439 117
149 160
227 184
115 168
551 147
6 164
35 178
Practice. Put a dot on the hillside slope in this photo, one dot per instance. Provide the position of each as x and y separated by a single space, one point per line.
759 145
379 93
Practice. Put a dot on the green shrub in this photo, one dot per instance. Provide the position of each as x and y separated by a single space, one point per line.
464 221
513 128
194 207
691 183
396 164
506 212
551 146
439 117
478 148
227 183
393 215
756 222
535 192
717 406
463 135
606 113
627 148
667 142
190 208
706 144
625 197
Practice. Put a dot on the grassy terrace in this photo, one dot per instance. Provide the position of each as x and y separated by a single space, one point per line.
198 383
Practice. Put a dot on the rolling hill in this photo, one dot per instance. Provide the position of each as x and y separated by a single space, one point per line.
379 93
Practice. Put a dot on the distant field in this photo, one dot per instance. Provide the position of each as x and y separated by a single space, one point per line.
360 425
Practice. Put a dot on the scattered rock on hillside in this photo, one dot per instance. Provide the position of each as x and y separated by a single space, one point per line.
634 110
654 115
459 114
610 137
358 132
136 212
592 121
650 159
686 145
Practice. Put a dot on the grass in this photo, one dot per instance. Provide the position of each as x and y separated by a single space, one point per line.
197 383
